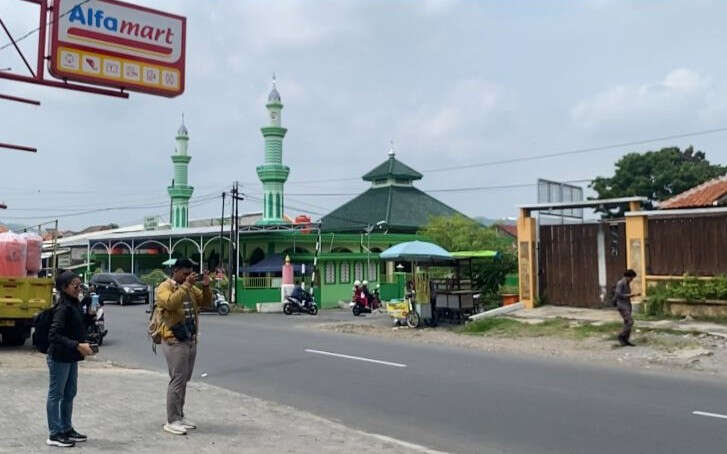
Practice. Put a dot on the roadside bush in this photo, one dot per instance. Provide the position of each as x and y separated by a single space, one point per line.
654 304
154 278
691 289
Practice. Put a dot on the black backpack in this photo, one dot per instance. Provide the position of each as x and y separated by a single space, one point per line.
42 322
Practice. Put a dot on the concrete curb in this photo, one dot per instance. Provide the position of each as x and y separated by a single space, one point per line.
269 307
499 311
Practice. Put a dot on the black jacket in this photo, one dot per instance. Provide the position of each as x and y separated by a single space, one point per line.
66 331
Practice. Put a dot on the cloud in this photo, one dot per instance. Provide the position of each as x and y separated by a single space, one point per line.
437 6
683 95
470 112
268 26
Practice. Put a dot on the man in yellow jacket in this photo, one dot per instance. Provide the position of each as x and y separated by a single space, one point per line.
179 300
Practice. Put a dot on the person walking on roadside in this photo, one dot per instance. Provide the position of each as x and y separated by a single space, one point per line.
622 295
67 346
179 301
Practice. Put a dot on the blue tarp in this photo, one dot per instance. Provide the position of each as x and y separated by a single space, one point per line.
274 264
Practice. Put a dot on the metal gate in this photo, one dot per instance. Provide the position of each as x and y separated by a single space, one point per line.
579 263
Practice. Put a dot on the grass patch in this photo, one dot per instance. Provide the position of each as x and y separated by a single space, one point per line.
558 327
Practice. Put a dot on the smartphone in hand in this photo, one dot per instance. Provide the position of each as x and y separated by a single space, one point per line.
94 347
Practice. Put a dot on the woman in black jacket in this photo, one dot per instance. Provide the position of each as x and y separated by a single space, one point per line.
67 346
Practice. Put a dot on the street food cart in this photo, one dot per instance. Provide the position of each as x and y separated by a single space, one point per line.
456 298
417 307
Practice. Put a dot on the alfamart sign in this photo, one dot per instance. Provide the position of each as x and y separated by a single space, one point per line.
108 42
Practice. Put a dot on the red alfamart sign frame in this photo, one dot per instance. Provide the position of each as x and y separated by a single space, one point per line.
117 44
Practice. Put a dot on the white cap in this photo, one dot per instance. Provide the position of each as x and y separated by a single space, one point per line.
356 282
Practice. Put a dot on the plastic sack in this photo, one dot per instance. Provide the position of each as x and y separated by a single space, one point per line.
35 248
13 255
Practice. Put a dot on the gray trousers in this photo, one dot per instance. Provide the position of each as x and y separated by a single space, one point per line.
180 361
624 308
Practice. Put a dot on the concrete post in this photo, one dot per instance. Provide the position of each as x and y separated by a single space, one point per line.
636 236
527 261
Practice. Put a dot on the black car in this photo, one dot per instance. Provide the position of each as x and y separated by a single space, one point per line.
123 288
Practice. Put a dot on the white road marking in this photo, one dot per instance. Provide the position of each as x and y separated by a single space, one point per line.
357 358
711 415
405 444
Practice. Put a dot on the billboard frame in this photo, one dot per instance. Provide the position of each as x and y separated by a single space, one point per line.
56 45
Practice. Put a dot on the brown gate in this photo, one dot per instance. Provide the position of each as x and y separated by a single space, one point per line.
569 262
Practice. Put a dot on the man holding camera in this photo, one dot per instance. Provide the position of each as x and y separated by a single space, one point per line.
179 301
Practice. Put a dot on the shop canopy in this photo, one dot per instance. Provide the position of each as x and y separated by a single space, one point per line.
417 251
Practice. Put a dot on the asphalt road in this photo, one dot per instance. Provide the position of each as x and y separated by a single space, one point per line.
440 397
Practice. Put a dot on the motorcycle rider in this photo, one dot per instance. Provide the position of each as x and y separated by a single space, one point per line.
366 293
359 297
301 295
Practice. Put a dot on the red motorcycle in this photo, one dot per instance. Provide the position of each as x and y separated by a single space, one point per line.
364 302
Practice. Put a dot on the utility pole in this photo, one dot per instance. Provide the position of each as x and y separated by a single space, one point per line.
237 230
233 267
222 227
232 281
55 250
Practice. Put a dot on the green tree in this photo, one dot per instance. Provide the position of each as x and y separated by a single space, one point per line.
460 233
656 175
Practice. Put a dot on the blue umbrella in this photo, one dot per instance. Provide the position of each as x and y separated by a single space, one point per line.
417 251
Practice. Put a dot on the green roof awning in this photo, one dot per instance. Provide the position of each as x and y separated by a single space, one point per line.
482 254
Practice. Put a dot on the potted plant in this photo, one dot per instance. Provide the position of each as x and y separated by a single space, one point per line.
510 294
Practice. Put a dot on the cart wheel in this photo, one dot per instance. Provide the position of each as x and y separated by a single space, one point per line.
413 319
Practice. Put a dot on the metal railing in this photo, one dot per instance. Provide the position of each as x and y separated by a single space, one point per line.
257 282
251 282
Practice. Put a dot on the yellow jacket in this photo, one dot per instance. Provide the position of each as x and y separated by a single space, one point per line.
169 300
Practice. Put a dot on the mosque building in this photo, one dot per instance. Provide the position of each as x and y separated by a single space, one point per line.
343 246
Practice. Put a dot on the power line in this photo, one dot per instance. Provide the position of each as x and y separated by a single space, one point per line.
154 201
464 189
543 156
37 29
579 151
107 209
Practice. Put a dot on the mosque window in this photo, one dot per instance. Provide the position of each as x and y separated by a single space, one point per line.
372 272
330 273
345 272
358 271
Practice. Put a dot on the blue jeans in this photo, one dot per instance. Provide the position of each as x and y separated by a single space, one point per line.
61 391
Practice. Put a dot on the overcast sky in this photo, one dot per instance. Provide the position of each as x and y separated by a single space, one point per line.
450 82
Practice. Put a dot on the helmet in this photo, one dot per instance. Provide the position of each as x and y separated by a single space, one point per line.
357 283
365 283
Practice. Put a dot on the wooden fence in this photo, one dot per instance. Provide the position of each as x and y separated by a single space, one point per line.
687 245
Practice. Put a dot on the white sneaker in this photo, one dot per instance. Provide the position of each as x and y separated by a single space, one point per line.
175 428
187 424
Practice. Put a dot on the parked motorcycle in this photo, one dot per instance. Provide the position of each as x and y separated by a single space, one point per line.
293 305
95 320
219 303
